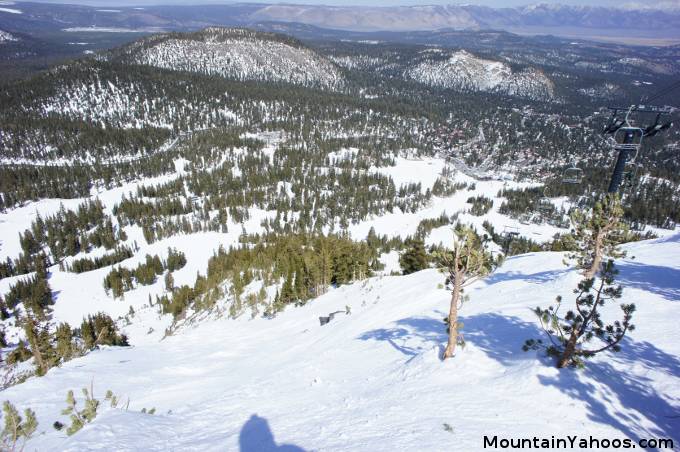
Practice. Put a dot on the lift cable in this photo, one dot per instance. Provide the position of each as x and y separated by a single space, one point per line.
662 92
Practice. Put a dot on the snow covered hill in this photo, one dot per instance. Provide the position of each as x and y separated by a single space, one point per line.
373 380
238 54
463 70
6 37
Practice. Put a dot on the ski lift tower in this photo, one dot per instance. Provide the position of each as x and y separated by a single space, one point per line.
628 138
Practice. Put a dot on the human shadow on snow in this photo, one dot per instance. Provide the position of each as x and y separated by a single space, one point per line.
663 281
257 436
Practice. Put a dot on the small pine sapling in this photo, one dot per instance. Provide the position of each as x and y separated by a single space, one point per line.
597 235
111 398
84 416
569 334
16 429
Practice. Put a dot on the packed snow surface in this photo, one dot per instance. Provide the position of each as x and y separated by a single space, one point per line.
373 380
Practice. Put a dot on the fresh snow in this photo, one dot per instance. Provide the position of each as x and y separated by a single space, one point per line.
373 380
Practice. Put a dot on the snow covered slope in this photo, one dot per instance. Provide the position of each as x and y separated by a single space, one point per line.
463 70
6 37
239 54
373 381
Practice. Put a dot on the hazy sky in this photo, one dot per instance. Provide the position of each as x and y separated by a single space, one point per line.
494 3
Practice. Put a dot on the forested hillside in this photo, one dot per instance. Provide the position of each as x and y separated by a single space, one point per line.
234 175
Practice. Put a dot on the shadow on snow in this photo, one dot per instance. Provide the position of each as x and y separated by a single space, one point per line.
612 396
498 336
257 436
663 281
601 383
535 278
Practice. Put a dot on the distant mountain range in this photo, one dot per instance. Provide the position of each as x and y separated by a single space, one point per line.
469 17
562 20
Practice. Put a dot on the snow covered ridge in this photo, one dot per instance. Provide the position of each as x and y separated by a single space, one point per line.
6 37
239 54
464 71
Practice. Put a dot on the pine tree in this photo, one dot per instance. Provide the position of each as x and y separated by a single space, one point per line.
326 259
301 291
569 334
468 261
64 337
414 258
40 343
169 282
287 291
15 427
100 329
20 354
597 235
84 416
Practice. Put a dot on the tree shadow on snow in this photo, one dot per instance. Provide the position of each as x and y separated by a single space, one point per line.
537 278
669 239
663 281
498 336
409 333
602 387
256 436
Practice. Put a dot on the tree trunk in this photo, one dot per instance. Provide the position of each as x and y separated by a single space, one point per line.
37 356
597 258
453 318
569 351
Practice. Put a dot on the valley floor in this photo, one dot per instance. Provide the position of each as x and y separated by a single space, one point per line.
373 380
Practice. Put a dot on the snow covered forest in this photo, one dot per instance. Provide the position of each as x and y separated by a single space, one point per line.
232 239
